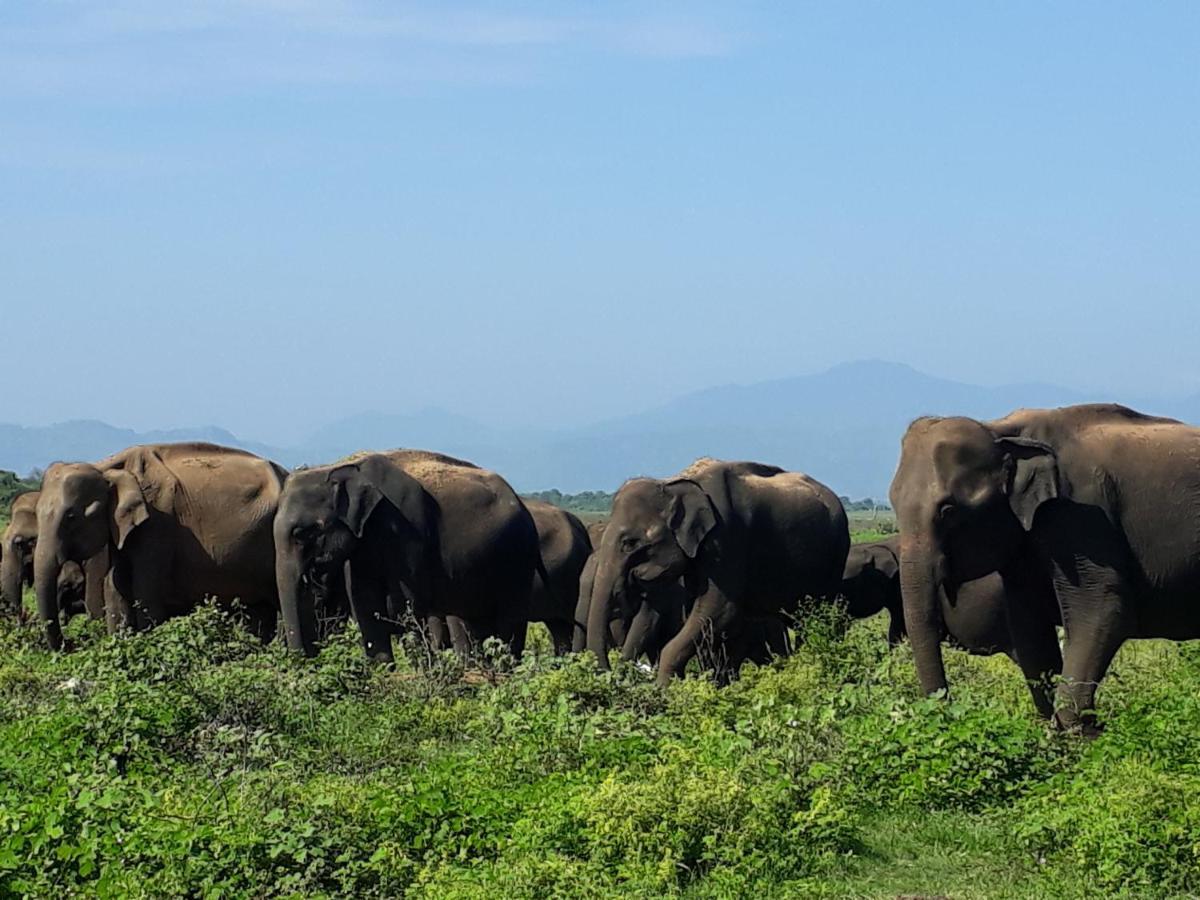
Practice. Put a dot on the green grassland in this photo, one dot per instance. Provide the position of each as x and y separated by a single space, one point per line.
193 761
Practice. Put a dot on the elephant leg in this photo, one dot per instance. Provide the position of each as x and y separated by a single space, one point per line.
436 632
94 571
512 631
711 615
561 633
1090 649
368 599
118 599
460 637
1034 639
149 577
618 632
895 625
262 621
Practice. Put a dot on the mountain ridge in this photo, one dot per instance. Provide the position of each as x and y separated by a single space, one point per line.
842 425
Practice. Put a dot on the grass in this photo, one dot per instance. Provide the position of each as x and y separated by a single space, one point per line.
194 761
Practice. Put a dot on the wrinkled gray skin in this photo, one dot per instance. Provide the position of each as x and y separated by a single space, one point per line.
977 621
421 533
565 548
747 541
17 546
1090 508
178 522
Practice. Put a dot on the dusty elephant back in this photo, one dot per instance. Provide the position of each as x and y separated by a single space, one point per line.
23 516
560 534
483 523
204 482
218 505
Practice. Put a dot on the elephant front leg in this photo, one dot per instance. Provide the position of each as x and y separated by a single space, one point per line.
368 599
712 614
118 599
95 570
1030 602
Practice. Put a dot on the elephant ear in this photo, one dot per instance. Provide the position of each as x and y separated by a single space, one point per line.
355 497
1032 476
366 483
158 483
691 515
129 505
884 561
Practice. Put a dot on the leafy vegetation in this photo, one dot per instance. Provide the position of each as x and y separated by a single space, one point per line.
10 486
192 761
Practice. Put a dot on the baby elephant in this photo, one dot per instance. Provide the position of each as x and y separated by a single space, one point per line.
871 583
975 620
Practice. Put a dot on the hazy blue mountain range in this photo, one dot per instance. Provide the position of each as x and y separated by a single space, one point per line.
842 426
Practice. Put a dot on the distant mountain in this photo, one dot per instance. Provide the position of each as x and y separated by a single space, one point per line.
843 426
23 449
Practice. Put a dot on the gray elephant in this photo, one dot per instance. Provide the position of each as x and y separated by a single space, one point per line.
748 541
17 546
423 533
871 584
565 549
1085 511
179 521
977 620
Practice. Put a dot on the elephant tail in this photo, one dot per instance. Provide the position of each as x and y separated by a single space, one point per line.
540 570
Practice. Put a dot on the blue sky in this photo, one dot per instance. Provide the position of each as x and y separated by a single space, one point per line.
267 215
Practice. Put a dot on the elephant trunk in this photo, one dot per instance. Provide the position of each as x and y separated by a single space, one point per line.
604 590
645 623
46 569
586 579
296 603
10 580
920 581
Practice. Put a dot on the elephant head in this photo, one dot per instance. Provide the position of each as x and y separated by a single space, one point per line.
964 498
16 550
327 515
83 510
654 537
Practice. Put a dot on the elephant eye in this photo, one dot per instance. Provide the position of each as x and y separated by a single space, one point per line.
629 544
947 513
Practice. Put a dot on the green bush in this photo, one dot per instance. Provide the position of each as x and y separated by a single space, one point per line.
193 761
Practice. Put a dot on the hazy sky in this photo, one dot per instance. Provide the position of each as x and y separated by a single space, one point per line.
267 215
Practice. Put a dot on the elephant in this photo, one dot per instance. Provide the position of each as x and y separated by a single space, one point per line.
871 583
179 521
748 541
16 565
565 548
977 620
423 532
1088 513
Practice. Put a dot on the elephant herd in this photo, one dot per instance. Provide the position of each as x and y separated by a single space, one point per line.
1084 518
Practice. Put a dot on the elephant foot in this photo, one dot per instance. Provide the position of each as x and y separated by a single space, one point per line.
1085 727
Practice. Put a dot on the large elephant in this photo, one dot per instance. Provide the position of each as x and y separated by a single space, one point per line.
748 540
16 565
977 620
180 522
423 532
1093 506
565 549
